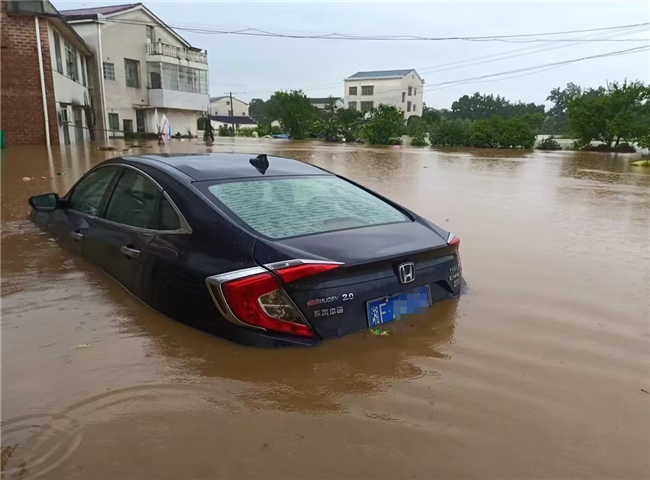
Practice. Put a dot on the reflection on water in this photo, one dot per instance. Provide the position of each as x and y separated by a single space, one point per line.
537 371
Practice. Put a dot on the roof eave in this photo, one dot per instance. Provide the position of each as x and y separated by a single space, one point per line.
170 29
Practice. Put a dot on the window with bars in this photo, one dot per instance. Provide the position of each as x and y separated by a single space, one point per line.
132 73
71 68
353 91
367 90
109 71
352 105
365 106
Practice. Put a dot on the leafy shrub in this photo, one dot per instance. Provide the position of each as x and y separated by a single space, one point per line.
383 126
226 131
419 140
549 143
449 133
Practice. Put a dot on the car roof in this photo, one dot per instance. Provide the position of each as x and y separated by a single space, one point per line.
222 166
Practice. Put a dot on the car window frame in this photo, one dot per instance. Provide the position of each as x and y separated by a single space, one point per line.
109 190
204 185
185 228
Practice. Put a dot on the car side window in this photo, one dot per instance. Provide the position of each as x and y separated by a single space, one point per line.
88 193
134 201
168 217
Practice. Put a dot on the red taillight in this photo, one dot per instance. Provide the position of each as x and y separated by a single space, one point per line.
259 300
453 240
290 274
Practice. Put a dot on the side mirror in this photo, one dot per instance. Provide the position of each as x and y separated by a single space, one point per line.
46 202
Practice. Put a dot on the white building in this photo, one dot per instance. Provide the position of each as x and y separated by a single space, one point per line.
221 106
146 69
71 61
320 103
403 89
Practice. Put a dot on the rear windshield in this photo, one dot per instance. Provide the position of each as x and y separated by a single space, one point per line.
290 207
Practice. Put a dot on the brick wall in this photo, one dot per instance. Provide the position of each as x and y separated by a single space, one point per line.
21 107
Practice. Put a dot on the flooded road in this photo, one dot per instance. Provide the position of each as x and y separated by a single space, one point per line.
538 371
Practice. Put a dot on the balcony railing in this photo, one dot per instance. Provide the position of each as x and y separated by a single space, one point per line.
176 52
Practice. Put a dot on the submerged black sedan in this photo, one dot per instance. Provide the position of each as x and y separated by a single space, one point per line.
260 250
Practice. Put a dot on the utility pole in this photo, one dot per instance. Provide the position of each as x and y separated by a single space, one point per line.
232 119
232 112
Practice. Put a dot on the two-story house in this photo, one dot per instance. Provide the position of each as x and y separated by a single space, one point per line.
222 105
403 89
47 74
146 69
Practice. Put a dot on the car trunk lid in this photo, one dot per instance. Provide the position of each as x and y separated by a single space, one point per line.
334 302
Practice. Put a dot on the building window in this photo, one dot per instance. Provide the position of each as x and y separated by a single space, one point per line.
410 91
415 91
83 71
128 126
150 35
227 102
403 97
352 91
352 105
365 106
113 121
414 107
109 71
408 106
71 69
57 52
132 73
243 114
367 90
180 78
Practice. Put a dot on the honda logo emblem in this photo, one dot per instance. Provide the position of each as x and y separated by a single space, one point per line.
406 272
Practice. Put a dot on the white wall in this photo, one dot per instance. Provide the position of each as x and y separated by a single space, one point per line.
222 107
388 92
68 91
123 40
175 99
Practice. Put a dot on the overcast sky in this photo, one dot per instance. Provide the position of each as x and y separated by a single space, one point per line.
256 67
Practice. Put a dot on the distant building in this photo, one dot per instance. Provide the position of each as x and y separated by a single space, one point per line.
47 70
321 102
239 121
146 69
221 106
403 89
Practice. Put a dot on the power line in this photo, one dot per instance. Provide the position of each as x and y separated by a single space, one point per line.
525 38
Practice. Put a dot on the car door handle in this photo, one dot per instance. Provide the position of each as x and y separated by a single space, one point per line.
130 252
77 235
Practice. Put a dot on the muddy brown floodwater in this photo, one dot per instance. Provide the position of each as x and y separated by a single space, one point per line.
538 371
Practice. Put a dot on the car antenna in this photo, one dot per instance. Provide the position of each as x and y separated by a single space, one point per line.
261 163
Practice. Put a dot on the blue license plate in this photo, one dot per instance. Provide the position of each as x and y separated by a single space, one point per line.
388 309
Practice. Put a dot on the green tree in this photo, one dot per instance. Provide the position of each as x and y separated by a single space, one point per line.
258 110
383 125
350 122
328 124
293 111
618 112
484 107
430 115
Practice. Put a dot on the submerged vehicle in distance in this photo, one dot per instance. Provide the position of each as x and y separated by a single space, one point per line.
260 250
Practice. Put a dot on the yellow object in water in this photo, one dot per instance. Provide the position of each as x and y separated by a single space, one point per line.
641 163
